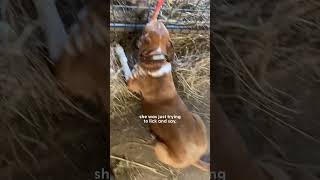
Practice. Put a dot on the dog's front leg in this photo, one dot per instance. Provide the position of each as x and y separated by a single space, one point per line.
130 77
135 82
133 86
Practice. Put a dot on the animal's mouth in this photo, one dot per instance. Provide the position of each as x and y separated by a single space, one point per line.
152 55
155 57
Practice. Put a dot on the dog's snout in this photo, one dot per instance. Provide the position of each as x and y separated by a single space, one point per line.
156 52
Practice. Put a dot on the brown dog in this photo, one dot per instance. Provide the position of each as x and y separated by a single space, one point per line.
179 144
82 66
80 58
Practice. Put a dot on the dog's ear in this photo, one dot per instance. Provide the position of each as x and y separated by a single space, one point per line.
170 51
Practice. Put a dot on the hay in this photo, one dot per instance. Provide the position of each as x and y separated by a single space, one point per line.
32 107
187 13
254 54
269 58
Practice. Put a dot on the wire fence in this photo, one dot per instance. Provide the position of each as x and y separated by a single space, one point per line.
187 16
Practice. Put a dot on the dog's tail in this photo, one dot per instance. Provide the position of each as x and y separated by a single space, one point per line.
202 165
157 10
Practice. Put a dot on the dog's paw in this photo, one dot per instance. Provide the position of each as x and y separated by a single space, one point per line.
138 72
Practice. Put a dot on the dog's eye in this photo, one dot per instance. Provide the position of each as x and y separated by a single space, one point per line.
147 39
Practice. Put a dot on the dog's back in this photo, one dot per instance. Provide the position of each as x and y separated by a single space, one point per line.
182 137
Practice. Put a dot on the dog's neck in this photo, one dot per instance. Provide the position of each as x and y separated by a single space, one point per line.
156 69
165 69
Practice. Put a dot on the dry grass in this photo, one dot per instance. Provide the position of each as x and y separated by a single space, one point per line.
255 51
257 43
31 105
194 13
268 53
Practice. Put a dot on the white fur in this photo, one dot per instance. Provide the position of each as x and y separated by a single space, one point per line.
165 69
159 50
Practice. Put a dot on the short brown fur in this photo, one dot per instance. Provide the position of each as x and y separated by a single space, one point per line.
183 143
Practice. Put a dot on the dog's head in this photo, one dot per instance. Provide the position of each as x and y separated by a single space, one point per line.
155 43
